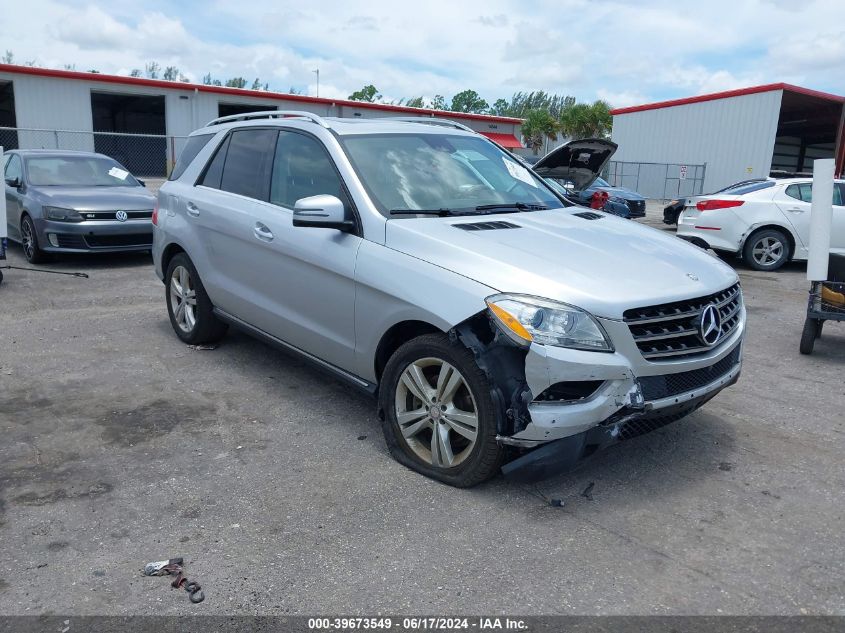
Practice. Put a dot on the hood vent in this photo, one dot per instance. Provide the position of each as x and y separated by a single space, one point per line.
485 226
588 215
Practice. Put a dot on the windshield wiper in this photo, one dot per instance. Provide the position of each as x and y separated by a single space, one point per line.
520 206
438 212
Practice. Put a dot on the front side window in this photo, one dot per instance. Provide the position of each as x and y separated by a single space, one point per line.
303 168
249 159
442 171
77 171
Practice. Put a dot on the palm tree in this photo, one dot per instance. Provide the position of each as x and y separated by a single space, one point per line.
582 120
537 127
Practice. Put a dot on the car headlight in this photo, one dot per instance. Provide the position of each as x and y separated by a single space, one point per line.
63 215
526 319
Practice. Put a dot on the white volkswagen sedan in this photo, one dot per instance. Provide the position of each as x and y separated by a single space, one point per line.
766 222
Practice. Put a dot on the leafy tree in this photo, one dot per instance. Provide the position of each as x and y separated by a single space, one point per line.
70 66
171 73
368 93
522 103
136 72
152 69
9 57
207 80
256 85
468 101
216 82
236 82
537 127
415 102
500 107
438 103
294 91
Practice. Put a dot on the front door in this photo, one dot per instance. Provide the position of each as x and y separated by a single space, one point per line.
795 201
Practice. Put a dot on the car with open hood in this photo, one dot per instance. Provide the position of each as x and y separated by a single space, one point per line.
499 325
574 170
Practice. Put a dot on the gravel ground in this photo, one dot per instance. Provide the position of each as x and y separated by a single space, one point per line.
122 446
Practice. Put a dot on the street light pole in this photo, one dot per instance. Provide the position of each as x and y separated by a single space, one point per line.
317 72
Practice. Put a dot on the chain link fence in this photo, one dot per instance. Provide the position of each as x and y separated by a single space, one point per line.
658 181
144 155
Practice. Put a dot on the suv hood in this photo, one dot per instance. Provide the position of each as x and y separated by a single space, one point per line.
604 266
579 162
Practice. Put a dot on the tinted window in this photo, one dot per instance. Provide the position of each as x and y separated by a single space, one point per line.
13 168
804 192
740 189
214 171
189 153
249 160
839 188
303 168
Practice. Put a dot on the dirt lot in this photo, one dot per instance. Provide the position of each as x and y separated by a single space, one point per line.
121 445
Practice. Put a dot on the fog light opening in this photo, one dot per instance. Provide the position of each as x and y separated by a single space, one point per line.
54 239
570 391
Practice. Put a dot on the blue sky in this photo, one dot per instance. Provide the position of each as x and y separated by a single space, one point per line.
625 52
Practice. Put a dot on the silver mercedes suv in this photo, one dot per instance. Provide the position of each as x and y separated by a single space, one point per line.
499 325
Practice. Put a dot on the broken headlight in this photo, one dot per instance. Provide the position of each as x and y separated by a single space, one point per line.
527 319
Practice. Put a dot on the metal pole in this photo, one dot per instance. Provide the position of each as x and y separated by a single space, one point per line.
317 72
3 217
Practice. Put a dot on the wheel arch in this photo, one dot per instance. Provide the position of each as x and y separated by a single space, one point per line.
396 336
169 252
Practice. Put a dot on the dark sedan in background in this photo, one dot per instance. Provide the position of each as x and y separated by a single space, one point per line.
74 202
572 169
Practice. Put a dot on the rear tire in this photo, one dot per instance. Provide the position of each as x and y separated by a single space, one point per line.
439 417
812 330
767 249
191 312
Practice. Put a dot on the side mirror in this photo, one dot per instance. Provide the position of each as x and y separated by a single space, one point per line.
14 182
323 211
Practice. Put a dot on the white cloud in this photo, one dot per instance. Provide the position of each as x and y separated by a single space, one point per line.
617 50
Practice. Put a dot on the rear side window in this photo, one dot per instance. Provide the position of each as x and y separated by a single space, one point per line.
189 153
804 192
303 168
249 161
748 187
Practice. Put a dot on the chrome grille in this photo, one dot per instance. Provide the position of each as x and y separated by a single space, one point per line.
671 330
112 215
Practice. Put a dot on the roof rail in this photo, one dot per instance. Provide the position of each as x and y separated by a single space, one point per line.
433 121
270 114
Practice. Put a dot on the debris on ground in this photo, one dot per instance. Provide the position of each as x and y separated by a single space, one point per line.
173 567
556 503
202 347
588 491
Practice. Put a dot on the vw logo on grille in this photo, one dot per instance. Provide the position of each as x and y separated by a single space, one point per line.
710 325
121 216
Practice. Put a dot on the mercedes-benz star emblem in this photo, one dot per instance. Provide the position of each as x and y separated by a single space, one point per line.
121 216
710 325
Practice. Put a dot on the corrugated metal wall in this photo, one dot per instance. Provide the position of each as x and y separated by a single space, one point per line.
735 137
65 104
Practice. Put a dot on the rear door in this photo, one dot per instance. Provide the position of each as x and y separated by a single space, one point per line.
796 201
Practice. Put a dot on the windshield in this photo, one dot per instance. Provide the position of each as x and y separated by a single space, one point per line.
601 182
77 171
444 172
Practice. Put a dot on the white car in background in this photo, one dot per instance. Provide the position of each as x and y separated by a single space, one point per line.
766 222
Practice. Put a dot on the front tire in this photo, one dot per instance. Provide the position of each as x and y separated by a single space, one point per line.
190 309
766 250
29 241
439 417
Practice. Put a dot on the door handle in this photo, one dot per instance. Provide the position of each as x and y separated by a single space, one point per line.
193 210
262 232
795 210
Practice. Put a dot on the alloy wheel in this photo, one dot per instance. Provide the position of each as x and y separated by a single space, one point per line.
767 251
27 239
183 298
436 412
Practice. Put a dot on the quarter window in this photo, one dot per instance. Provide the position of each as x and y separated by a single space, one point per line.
214 172
193 147
303 168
